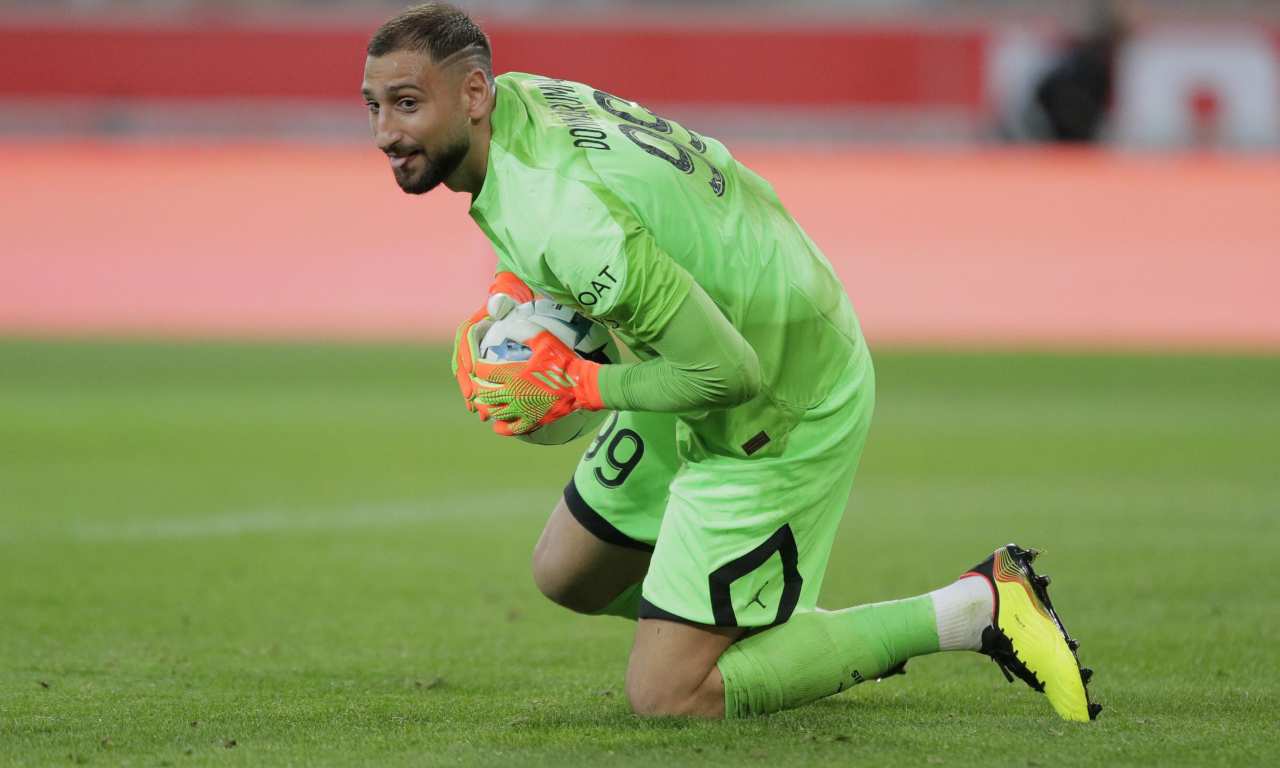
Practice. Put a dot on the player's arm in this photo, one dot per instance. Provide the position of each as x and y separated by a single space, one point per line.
610 263
703 363
601 257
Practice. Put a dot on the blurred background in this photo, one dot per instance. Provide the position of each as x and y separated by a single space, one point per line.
980 172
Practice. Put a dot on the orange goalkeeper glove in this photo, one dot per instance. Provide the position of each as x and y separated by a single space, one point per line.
506 292
552 383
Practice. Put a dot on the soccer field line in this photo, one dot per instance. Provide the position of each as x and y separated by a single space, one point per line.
287 520
1147 499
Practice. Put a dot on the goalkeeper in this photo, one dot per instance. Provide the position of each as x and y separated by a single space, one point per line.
707 506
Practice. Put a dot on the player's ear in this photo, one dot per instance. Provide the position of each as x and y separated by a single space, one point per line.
476 90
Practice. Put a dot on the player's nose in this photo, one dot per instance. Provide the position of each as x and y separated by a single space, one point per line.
387 140
386 134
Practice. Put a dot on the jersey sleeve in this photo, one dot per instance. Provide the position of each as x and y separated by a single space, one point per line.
578 243
703 362
610 264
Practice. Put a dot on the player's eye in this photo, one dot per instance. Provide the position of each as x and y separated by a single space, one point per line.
372 106
407 103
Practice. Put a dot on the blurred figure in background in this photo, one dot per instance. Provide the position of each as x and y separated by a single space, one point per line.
1073 98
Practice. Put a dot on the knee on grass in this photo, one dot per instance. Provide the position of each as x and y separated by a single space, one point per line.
563 587
653 699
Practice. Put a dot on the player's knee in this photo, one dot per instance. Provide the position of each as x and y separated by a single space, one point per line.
557 581
653 698
549 577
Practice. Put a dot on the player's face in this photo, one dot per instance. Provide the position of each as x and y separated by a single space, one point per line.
418 117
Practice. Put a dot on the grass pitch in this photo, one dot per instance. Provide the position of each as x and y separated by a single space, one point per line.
310 555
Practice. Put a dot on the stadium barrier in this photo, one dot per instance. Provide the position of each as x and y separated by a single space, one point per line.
1177 84
736 64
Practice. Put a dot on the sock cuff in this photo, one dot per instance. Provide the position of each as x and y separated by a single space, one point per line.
749 688
962 609
730 665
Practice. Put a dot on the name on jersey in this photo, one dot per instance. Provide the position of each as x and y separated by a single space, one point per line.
572 112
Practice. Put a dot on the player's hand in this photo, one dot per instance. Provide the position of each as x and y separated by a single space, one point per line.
506 293
523 396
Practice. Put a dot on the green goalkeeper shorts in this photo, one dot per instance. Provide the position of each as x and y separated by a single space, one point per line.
736 542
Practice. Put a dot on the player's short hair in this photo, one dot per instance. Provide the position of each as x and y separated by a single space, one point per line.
439 30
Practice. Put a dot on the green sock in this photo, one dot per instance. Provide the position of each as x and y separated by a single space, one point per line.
626 605
818 654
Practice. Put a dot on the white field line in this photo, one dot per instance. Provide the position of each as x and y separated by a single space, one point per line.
302 519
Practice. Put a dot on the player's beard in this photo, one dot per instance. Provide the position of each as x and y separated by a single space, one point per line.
435 167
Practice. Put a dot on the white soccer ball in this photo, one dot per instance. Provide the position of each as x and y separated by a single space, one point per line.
505 341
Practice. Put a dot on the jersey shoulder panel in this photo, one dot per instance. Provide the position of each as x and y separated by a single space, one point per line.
588 134
549 123
553 231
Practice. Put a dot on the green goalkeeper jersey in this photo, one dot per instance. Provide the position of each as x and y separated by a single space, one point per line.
602 205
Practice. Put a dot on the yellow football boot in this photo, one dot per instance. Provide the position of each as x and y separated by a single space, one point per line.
1027 639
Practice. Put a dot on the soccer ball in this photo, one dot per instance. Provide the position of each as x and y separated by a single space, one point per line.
505 342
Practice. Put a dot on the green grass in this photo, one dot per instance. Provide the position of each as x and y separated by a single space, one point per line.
312 553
